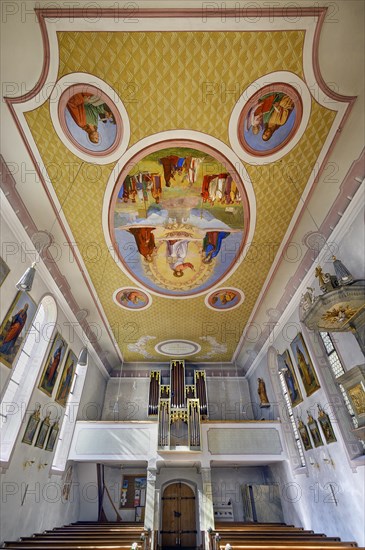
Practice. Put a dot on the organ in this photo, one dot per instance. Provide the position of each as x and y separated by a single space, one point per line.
179 407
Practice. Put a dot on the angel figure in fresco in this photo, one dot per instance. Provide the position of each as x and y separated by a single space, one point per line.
176 253
17 323
87 110
270 112
212 243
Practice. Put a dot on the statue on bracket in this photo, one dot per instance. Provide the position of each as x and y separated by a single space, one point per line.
261 390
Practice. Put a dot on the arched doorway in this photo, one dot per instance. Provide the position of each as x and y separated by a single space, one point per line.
178 517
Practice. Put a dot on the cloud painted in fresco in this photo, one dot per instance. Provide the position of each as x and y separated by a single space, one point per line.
139 346
216 347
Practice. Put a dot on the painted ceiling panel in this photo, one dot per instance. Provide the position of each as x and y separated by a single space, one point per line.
174 81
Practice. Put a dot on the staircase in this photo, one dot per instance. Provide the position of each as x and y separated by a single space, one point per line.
84 535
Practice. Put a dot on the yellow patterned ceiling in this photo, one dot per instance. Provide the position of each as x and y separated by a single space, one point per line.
163 79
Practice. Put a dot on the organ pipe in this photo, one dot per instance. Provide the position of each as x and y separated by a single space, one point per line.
178 404
154 392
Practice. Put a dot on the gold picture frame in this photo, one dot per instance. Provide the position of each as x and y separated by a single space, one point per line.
315 433
32 426
304 435
326 425
43 431
52 437
68 374
52 365
285 365
304 364
15 326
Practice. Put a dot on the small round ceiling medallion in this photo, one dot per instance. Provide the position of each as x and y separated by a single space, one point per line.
132 298
224 299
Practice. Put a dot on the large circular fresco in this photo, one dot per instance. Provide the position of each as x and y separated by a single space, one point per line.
179 219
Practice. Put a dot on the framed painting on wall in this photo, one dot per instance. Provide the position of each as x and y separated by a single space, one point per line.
326 425
304 435
43 431
14 327
313 427
285 365
66 379
32 426
52 365
4 271
305 365
53 433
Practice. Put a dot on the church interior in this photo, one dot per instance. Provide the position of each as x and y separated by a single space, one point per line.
182 313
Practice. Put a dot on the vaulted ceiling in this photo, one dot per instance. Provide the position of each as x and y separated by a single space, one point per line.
179 216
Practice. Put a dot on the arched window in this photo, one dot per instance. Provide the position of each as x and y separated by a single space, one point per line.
24 375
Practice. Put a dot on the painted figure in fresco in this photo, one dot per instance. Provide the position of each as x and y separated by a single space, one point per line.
217 188
192 165
176 252
128 190
145 241
17 323
132 296
212 243
205 186
261 390
66 384
271 111
225 297
169 167
156 187
53 366
86 110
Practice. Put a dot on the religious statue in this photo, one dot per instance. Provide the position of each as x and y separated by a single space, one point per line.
343 275
327 282
261 390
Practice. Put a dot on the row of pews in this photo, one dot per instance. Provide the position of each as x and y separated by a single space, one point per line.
87 535
132 536
266 536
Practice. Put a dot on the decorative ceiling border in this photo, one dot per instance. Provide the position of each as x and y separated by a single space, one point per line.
248 20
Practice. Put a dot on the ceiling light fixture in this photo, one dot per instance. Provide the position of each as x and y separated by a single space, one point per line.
25 283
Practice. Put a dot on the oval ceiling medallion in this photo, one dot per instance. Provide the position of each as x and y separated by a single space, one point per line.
179 219
177 348
224 299
270 117
89 119
133 299
89 122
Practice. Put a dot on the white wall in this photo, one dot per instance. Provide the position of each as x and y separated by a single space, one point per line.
227 485
42 507
131 396
308 500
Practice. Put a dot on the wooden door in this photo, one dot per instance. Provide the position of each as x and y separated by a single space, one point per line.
178 517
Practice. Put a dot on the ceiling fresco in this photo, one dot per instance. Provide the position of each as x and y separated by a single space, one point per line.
150 132
178 221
